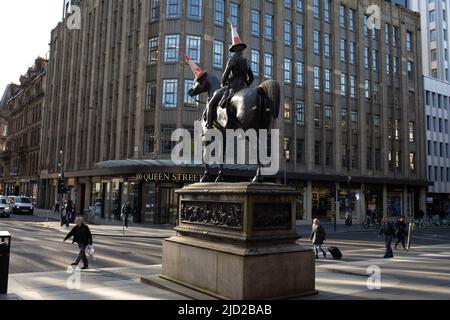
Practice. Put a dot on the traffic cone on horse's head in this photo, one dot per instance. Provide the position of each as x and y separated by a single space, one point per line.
198 72
237 43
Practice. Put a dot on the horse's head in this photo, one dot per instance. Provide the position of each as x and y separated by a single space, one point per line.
201 85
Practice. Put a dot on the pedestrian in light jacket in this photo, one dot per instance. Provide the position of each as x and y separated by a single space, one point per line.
388 230
83 237
318 236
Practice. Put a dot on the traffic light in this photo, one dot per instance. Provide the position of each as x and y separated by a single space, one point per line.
61 186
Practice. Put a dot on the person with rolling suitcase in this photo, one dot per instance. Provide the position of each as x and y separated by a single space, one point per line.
318 236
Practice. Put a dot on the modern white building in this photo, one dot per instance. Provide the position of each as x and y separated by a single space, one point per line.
435 28
435 55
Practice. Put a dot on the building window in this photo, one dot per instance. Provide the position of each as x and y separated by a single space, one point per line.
411 132
170 93
366 57
173 8
218 54
344 153
342 16
255 23
318 153
316 42
149 140
153 51
387 36
150 97
188 100
352 52
268 64
300 151
287 32
355 157
352 87
166 139
317 116
300 113
299 5
287 149
268 27
287 110
287 71
327 45
388 64
394 36
328 85
328 117
219 12
255 62
367 89
299 75
343 84
326 10
155 10
299 36
408 41
343 54
344 118
172 48
351 17
329 154
195 9
316 78
234 14
395 66
354 118
193 48
375 60
316 9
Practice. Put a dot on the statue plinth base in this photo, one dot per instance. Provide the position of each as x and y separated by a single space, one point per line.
238 241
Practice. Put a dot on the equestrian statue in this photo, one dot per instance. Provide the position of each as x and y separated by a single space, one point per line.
232 103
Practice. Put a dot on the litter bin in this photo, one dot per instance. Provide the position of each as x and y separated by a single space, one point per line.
5 249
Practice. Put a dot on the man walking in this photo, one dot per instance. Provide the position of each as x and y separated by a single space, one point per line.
82 235
401 232
126 211
388 229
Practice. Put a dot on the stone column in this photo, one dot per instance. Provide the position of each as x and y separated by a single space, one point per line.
405 201
308 202
385 205
362 203
423 199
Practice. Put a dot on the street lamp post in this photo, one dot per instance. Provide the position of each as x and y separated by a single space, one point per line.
61 184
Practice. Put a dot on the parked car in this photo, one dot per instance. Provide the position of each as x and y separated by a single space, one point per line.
20 205
5 211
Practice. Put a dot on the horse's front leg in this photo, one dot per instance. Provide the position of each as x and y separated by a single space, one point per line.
220 177
259 177
206 176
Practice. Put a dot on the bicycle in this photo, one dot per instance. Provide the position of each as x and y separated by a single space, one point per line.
369 222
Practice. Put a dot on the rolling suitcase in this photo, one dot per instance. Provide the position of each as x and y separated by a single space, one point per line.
335 252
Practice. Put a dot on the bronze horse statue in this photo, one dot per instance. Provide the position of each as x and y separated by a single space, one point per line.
252 108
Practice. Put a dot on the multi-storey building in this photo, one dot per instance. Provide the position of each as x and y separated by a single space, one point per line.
435 16
24 112
352 124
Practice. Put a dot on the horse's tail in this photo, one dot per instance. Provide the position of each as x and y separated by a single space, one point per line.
272 90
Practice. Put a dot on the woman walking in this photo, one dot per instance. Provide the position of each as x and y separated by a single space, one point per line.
318 236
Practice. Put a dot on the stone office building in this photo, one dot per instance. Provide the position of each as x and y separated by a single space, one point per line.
352 101
24 113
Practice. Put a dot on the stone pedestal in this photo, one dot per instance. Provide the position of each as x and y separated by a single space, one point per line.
238 241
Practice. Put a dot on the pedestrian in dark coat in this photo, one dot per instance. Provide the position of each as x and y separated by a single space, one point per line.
318 236
401 232
126 212
388 230
83 237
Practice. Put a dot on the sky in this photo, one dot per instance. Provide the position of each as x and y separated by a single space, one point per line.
25 27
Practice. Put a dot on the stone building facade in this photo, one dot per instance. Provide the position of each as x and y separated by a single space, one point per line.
23 114
352 102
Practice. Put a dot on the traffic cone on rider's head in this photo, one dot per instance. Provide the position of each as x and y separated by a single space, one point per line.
198 72
237 43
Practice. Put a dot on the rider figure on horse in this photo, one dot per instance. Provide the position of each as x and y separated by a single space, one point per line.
238 75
